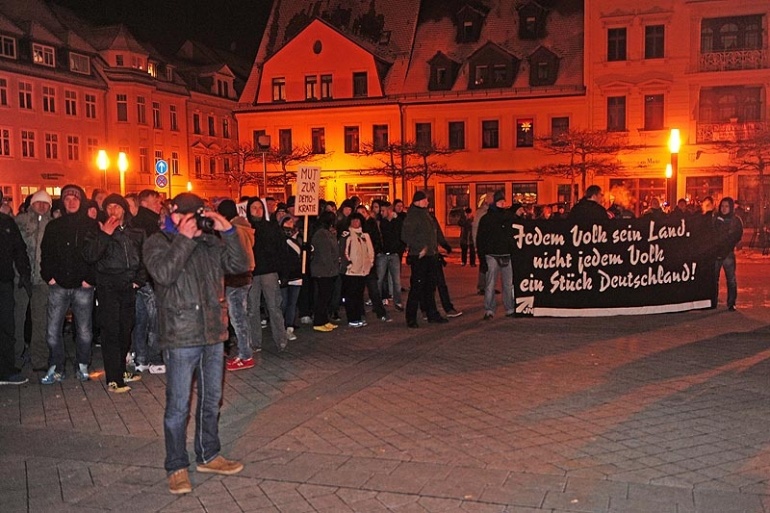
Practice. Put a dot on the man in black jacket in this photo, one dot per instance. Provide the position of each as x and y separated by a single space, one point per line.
389 260
728 229
116 252
13 253
71 283
590 209
494 242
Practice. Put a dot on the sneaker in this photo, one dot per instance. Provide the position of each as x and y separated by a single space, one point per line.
368 302
179 482
399 307
386 318
385 302
237 363
264 323
141 367
220 465
290 334
14 379
52 376
306 320
113 387
356 324
129 377
258 349
323 328
157 368
330 325
453 313
82 373
731 308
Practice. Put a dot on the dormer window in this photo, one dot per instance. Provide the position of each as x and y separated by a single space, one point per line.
492 67
169 73
543 67
443 72
152 69
43 55
7 47
138 62
119 60
80 63
469 21
532 21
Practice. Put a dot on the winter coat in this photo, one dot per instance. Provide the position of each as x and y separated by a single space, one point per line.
291 274
32 226
466 230
495 235
728 230
117 257
146 220
246 236
418 232
588 211
268 241
326 255
13 251
390 229
61 256
357 251
190 286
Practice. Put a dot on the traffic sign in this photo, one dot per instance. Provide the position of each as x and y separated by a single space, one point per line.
161 181
161 167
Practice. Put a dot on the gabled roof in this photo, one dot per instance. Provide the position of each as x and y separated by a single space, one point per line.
9 27
115 37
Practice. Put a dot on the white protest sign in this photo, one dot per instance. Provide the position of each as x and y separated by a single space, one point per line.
308 186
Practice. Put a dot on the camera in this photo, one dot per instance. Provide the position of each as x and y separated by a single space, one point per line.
205 224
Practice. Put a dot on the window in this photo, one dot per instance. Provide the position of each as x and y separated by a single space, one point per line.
380 137
351 139
73 147
49 99
731 103
525 133
484 190
198 166
43 55
141 110
152 69
226 128
559 128
653 112
360 84
326 87
71 103
422 135
28 144
169 73
7 47
174 163
481 76
731 33
616 44
563 194
653 41
279 89
318 140
212 166
456 135
156 119
616 113
212 126
458 198
3 92
119 60
158 155
284 141
25 95
524 192
698 187
226 165
138 62
197 123
490 134
173 122
91 147
255 136
80 64
91 106
51 146
5 142
122 102
144 161
311 83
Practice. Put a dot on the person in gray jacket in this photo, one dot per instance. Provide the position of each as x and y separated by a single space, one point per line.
324 268
188 265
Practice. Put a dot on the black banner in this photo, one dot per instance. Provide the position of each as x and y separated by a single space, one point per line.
621 267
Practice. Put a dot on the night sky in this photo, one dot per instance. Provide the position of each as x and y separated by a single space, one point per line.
225 24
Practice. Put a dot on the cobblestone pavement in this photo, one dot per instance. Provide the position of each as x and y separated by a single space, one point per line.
656 414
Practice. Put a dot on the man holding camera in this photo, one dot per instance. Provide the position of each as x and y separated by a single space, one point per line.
188 262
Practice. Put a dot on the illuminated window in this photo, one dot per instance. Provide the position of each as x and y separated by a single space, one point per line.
458 198
91 106
490 134
141 110
122 104
5 142
483 190
616 113
616 44
156 120
653 41
49 99
152 69
43 55
318 140
73 147
7 47
80 64
25 95
653 112
456 135
279 89
71 103
28 144
380 137
525 133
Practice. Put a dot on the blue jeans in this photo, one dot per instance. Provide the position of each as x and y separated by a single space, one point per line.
81 302
728 263
206 363
389 265
145 335
290 295
237 309
506 276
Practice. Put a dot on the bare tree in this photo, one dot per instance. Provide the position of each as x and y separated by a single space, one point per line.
239 156
284 158
424 166
589 153
393 158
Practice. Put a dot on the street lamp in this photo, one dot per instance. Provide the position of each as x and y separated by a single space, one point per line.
103 162
263 144
674 143
122 167
669 172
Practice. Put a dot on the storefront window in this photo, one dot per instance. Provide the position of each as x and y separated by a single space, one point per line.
457 200
368 191
698 187
635 194
748 198
524 192
487 189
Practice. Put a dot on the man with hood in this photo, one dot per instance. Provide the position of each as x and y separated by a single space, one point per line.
268 253
13 253
728 229
419 235
70 282
237 288
115 250
494 243
32 225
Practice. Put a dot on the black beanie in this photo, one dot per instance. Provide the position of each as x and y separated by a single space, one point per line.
228 209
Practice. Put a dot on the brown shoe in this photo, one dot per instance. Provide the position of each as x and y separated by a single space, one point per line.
179 482
220 465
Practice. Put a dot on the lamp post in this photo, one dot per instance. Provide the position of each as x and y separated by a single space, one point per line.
669 172
122 167
103 162
263 144
674 143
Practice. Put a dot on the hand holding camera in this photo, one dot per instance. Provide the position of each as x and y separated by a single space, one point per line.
210 220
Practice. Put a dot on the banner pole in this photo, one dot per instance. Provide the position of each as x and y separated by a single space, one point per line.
305 242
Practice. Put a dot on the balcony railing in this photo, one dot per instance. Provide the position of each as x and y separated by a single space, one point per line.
734 60
729 132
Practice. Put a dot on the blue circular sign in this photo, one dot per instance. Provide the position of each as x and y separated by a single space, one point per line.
161 167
